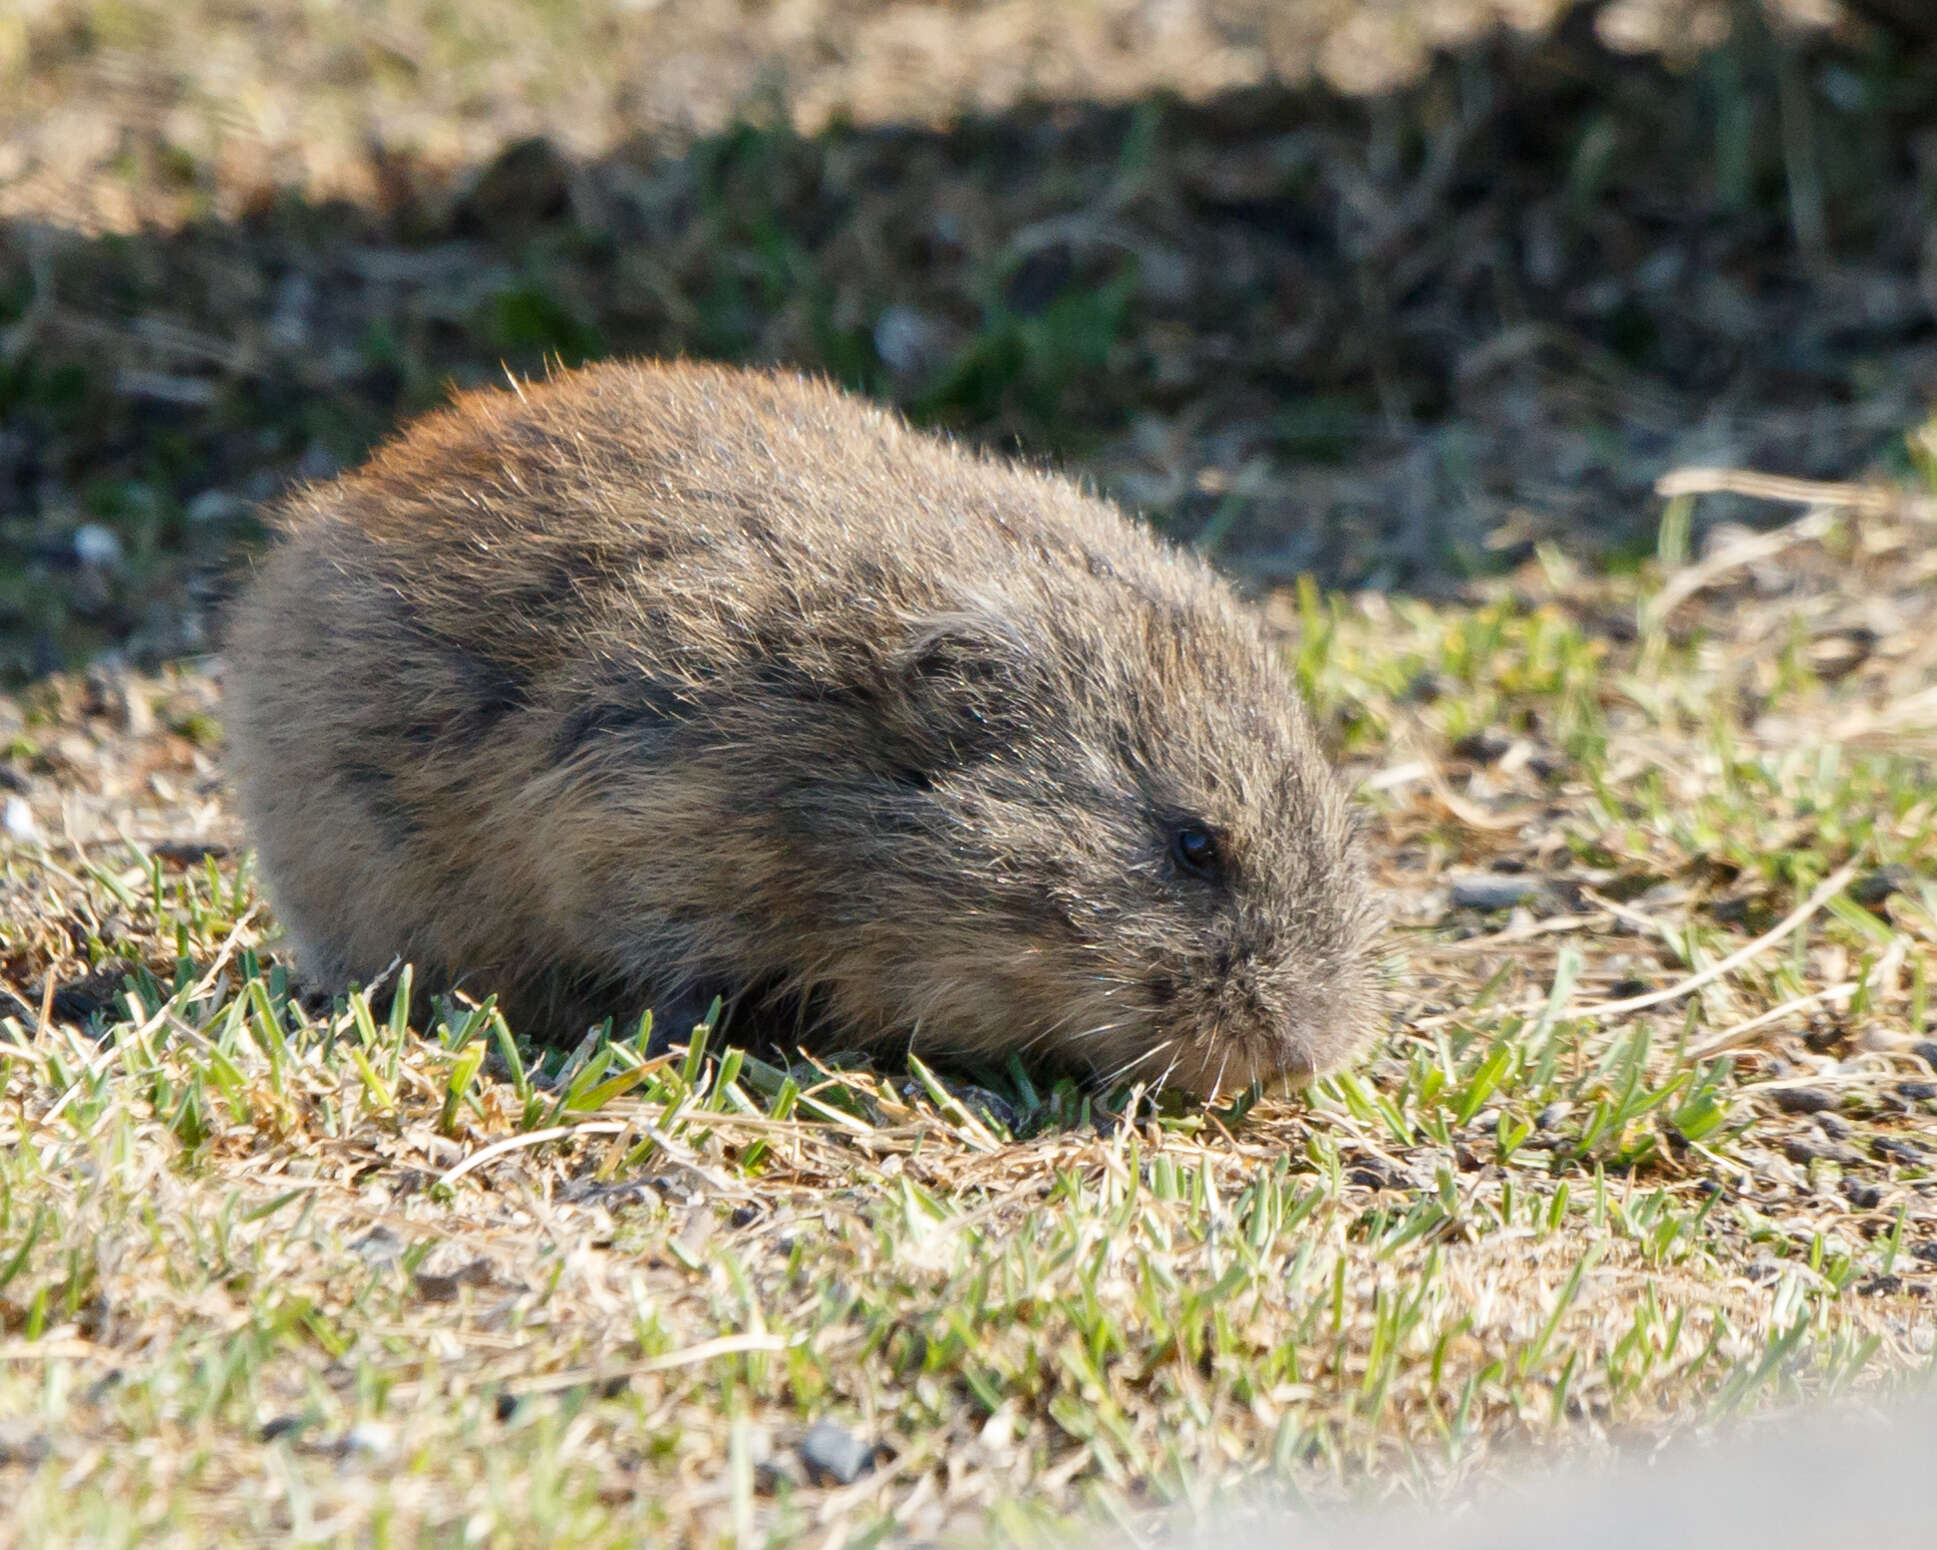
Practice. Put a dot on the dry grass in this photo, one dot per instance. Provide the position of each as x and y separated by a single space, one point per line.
269 1272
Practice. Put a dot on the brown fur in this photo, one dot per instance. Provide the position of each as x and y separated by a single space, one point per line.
657 680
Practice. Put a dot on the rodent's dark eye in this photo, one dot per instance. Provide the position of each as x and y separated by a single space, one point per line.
1196 850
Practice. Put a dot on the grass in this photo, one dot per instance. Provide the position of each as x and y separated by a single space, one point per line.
1649 1140
319 1276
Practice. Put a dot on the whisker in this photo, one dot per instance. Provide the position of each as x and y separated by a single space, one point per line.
1130 1065
1050 1031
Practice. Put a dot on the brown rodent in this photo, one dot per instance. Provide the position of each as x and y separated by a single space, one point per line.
654 681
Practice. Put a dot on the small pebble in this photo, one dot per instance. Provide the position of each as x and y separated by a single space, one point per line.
215 506
1483 747
17 818
990 1108
372 1438
1425 688
186 853
1873 888
1803 1100
1926 1051
443 1285
834 1454
97 546
1371 1175
1862 1194
436 1288
1898 1149
1878 1039
909 341
1490 891
1801 1151
379 1246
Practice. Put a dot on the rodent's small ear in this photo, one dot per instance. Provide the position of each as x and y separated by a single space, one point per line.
973 663
957 649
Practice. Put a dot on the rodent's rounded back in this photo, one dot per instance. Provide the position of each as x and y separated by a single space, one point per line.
652 681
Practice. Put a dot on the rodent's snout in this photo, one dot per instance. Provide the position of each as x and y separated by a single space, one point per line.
1276 1012
1247 1035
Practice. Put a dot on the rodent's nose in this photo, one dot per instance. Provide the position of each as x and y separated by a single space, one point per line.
1246 1000
1289 1022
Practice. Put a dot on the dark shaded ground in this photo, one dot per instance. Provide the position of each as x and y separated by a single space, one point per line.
1385 338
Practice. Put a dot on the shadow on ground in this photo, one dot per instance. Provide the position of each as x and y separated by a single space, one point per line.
1387 339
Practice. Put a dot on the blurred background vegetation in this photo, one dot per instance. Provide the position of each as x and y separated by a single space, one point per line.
1386 291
